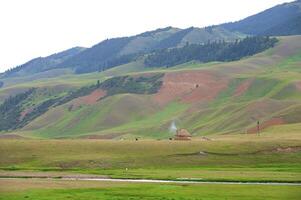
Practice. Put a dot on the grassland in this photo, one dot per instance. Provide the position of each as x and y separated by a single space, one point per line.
274 156
269 157
58 189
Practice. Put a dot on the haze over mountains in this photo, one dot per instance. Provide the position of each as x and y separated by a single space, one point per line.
217 80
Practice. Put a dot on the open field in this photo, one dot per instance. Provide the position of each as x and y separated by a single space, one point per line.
268 157
35 189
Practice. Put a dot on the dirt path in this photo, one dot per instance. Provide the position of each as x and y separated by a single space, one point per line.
180 181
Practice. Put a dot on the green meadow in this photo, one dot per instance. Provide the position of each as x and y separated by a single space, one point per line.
59 190
268 157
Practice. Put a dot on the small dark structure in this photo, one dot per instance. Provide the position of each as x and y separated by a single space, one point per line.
183 134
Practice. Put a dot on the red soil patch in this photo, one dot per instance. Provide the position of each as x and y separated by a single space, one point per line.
266 124
90 99
190 87
242 88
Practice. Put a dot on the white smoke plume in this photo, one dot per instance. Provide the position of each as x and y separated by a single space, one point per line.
173 127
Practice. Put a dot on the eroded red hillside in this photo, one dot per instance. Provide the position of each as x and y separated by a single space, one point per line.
190 87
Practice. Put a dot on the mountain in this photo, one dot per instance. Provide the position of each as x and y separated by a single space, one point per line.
280 20
113 52
117 51
43 63
289 27
213 80
283 19
204 98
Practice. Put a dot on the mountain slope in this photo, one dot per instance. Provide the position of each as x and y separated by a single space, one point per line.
289 27
270 21
207 99
117 51
113 52
42 64
280 20
252 82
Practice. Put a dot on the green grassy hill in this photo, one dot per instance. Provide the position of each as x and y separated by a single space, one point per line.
213 98
43 64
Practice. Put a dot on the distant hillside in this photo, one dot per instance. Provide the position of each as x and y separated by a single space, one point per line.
96 57
211 33
289 27
211 98
283 19
113 52
117 51
43 63
195 35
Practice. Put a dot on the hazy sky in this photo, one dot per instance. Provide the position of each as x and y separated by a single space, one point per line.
33 28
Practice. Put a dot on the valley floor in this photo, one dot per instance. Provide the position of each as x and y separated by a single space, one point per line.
237 158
